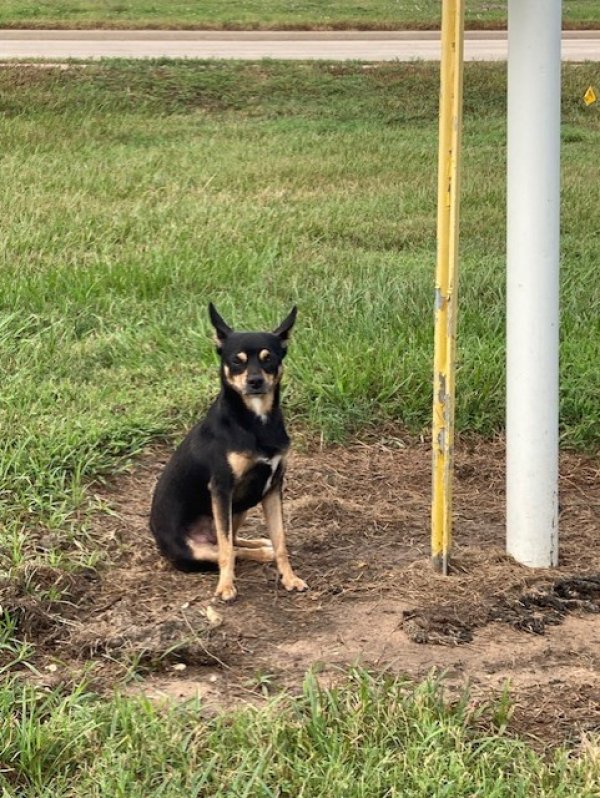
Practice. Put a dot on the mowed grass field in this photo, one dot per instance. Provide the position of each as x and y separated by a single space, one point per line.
282 14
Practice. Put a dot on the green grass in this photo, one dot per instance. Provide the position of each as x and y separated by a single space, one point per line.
134 193
377 14
367 739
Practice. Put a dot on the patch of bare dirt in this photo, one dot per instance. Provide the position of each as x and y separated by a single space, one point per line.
358 528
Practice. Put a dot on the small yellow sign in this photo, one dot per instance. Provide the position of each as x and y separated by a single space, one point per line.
590 96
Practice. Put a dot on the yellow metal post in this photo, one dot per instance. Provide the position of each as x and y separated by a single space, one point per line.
446 280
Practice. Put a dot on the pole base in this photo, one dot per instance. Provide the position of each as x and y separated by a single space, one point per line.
439 563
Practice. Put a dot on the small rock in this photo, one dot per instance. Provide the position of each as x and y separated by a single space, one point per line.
214 618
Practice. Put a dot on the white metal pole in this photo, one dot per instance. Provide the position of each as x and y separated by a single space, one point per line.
533 221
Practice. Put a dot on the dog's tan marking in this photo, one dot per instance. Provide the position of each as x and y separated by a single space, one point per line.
264 354
242 356
225 552
254 543
204 552
260 405
209 552
273 379
237 381
270 379
273 512
240 462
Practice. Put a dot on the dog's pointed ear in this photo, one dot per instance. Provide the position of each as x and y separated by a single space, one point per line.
222 329
285 328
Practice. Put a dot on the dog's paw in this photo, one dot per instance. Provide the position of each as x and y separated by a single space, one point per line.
226 592
293 582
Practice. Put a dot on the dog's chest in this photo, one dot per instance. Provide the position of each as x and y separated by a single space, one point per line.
273 464
254 476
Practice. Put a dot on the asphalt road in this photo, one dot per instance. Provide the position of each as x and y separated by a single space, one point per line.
339 46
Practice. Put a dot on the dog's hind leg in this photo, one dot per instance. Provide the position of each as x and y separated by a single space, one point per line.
249 543
209 552
203 552
254 543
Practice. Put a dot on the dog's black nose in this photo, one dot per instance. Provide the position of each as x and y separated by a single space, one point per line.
255 382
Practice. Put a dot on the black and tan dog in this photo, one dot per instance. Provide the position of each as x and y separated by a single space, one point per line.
228 463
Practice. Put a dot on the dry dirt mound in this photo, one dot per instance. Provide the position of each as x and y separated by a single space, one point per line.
358 521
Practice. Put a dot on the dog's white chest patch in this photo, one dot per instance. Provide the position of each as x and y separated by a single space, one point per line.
257 405
273 462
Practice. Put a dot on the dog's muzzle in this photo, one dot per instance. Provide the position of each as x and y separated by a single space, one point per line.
255 386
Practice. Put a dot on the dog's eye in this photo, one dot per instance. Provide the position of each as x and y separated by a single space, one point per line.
264 356
239 359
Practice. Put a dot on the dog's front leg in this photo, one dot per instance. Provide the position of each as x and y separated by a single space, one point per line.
273 510
221 507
